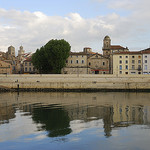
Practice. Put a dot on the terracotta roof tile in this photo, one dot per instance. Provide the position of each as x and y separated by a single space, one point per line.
116 47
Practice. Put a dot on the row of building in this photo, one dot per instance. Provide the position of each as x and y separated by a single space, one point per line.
11 64
114 60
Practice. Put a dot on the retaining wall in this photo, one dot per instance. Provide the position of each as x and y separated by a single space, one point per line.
75 82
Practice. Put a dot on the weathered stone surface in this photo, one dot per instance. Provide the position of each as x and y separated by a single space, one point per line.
74 82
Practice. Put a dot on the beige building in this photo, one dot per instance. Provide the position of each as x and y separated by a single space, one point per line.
109 50
5 68
76 63
28 67
11 51
86 62
98 64
127 63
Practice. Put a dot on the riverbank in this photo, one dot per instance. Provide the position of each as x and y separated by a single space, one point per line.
74 82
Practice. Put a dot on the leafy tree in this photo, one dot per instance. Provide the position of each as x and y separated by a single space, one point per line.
52 56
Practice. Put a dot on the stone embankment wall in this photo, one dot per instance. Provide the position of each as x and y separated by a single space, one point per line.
74 83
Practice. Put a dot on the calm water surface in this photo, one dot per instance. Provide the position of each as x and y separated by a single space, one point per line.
75 121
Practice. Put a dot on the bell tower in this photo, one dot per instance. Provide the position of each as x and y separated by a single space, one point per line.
106 46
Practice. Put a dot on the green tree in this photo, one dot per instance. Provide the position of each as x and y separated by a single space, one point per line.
52 56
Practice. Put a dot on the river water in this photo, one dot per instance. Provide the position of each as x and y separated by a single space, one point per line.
75 121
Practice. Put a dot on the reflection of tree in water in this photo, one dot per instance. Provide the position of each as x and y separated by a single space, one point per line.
54 120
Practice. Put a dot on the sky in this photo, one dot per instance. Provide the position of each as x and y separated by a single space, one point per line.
83 23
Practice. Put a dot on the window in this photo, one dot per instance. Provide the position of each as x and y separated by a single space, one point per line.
133 61
120 72
82 56
139 66
89 64
82 61
25 69
126 72
120 67
103 63
126 56
139 72
133 67
66 61
77 56
71 56
133 72
120 62
25 63
139 61
145 67
120 56
132 56
126 61
71 61
29 69
145 61
29 63
104 73
77 61
126 67
145 56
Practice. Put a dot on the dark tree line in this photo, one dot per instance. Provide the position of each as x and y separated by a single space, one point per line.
51 57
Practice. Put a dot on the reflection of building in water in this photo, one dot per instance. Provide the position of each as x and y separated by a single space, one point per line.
146 115
125 115
6 113
114 114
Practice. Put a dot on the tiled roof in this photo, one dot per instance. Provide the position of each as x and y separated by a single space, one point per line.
131 52
146 51
116 47
78 53
29 59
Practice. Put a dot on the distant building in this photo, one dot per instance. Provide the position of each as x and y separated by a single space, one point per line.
76 63
98 64
146 61
133 62
5 68
127 63
21 51
11 51
28 67
109 50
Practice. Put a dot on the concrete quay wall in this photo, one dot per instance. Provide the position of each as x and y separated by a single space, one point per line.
74 82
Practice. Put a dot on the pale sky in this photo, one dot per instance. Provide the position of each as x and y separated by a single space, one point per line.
83 23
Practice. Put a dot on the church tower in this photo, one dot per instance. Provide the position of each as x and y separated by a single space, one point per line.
21 51
106 46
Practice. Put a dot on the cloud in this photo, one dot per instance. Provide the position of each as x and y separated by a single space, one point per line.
33 30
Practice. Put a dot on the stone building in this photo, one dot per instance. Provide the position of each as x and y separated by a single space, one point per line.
88 62
11 51
127 63
109 50
76 63
98 64
21 51
133 62
5 68
28 67
146 61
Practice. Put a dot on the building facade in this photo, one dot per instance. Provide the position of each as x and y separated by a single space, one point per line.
133 62
28 67
76 63
127 63
5 68
98 64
